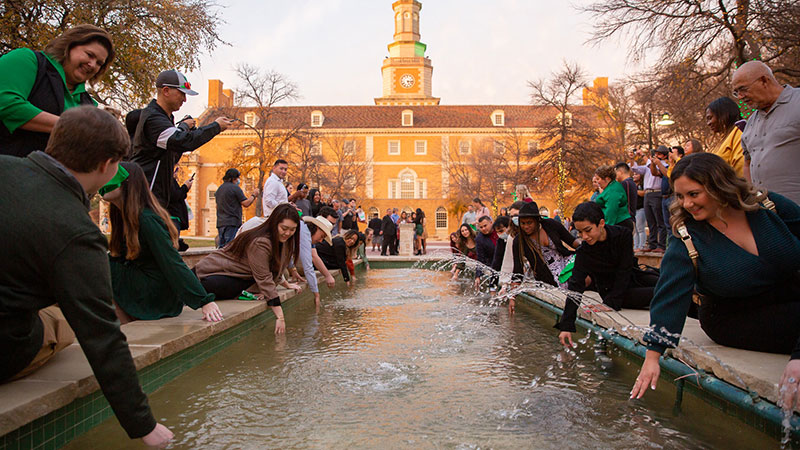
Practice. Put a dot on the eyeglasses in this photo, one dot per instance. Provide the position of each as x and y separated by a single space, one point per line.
743 89
185 85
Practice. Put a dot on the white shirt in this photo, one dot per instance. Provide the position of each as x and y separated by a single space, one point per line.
274 194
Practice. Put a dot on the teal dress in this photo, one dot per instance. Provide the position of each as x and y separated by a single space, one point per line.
737 285
158 283
614 202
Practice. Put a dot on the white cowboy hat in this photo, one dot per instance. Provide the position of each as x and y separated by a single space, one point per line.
323 224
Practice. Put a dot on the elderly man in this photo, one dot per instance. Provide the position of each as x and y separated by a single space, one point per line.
771 139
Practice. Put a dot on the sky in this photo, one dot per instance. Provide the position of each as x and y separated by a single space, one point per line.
483 52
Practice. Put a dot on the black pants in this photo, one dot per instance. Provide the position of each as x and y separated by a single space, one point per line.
639 292
389 243
764 323
627 223
225 287
657 233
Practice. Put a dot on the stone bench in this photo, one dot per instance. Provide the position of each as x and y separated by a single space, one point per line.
68 376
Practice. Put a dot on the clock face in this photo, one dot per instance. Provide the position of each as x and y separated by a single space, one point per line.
407 81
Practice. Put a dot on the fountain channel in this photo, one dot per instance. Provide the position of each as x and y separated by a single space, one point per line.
408 359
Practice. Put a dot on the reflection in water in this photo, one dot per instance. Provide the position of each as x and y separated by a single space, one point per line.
408 360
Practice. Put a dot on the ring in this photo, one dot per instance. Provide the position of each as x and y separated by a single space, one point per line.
791 380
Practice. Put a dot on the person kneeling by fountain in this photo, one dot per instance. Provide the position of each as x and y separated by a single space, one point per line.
604 263
538 249
744 263
149 277
257 256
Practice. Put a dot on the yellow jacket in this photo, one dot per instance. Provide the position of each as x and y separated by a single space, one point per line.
730 149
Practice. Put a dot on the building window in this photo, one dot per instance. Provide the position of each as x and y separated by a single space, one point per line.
407 186
349 148
441 217
533 146
317 119
568 122
394 147
316 148
250 119
250 151
212 195
464 147
392 189
499 148
408 118
498 118
422 189
373 211
420 147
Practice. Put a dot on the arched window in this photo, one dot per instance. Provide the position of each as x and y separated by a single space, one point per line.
373 211
441 217
407 185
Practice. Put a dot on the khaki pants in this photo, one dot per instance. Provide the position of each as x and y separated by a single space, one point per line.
57 336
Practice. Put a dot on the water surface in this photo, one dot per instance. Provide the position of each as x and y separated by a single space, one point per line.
409 359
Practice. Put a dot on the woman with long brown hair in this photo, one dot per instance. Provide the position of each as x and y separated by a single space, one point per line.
37 86
465 246
256 257
149 278
538 249
744 265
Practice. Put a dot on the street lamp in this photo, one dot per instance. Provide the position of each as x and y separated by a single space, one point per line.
664 122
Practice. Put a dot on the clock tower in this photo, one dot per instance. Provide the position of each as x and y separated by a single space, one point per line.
407 71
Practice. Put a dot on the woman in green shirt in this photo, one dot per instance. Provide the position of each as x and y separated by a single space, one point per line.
148 276
613 199
36 87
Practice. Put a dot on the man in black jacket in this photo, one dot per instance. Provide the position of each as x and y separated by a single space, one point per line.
334 255
55 266
604 263
375 224
158 144
388 233
485 243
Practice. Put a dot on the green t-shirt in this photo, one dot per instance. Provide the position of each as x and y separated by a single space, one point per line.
17 74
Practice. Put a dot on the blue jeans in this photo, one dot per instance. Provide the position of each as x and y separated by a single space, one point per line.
639 232
226 234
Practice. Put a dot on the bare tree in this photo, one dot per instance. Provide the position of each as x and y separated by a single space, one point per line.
718 35
272 129
574 147
518 150
345 168
476 173
305 153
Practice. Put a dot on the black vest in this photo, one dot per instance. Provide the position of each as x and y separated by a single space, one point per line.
47 94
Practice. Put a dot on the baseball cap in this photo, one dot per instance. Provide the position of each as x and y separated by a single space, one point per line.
174 79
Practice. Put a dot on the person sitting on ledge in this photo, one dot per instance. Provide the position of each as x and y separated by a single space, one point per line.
149 277
257 256
604 263
334 255
355 241
748 247
538 249
53 253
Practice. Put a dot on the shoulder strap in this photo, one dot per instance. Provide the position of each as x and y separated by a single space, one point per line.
767 203
687 241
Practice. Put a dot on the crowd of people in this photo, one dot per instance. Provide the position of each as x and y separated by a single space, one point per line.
728 222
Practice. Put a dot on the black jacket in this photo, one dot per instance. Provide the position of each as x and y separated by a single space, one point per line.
177 205
609 264
557 235
376 224
334 256
158 143
47 94
388 227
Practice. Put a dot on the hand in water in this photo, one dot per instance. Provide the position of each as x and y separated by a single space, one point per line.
565 337
294 287
790 385
211 312
330 281
280 326
159 437
648 375
511 305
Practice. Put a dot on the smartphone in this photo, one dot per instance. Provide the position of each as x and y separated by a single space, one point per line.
192 177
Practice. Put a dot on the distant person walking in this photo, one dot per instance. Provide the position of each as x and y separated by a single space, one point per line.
230 200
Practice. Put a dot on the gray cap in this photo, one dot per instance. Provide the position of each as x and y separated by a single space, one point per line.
174 79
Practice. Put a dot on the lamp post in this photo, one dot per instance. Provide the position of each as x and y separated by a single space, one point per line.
665 121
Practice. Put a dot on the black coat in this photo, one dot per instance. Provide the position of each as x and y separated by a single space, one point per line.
388 227
558 235
177 205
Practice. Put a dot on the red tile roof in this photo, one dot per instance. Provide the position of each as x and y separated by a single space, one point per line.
372 116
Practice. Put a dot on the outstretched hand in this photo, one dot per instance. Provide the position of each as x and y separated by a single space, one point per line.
159 437
211 312
565 337
789 387
648 375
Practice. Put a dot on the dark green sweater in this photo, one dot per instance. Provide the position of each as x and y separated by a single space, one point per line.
157 283
53 253
726 271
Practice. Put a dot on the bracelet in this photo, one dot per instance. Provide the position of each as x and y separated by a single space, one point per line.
281 318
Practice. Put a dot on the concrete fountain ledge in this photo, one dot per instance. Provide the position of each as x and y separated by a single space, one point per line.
760 372
68 377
